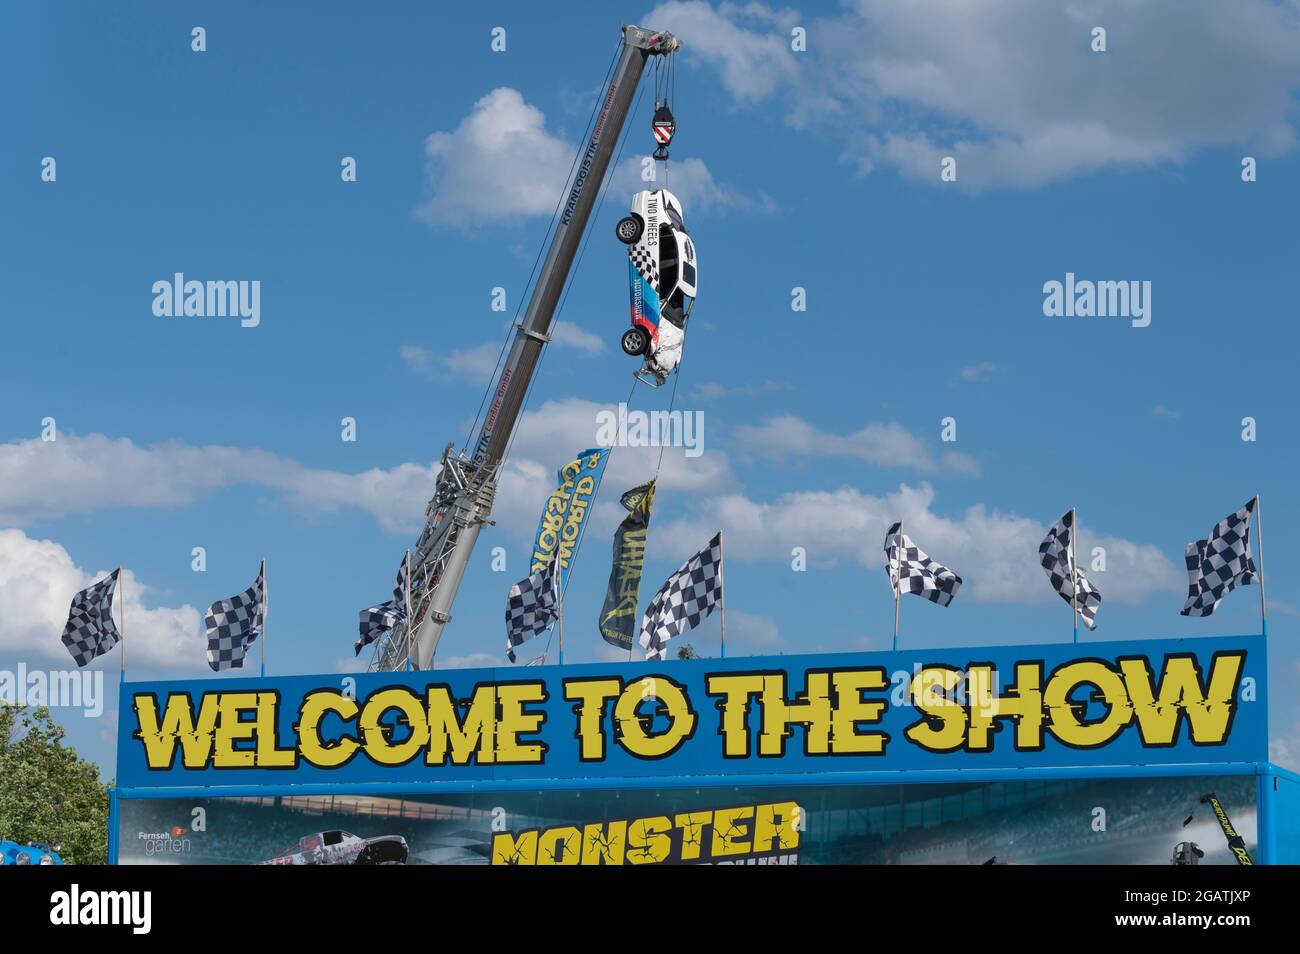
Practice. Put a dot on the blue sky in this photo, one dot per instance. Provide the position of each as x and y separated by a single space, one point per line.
816 170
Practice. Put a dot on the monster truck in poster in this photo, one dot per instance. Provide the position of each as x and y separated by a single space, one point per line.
338 847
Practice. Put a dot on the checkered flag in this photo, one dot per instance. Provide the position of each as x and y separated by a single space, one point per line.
1057 556
377 620
90 630
1217 566
684 601
911 571
233 624
532 606
645 263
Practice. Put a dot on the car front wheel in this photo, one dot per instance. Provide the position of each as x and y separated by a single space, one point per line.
635 341
629 229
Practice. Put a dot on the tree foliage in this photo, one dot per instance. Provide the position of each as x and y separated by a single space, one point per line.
47 792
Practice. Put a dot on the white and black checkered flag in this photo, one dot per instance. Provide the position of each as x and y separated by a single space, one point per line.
684 601
90 630
531 606
1057 557
911 571
1217 566
233 624
377 620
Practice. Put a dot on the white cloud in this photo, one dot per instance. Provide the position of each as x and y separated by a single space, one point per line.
479 363
604 652
980 372
1284 748
551 432
467 661
472 661
566 334
752 63
499 164
42 480
748 634
37 581
74 475
476 364
395 497
886 445
502 164
752 633
416 358
691 181
1011 88
996 553
714 390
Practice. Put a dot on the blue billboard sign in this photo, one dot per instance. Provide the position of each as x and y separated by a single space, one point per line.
1152 702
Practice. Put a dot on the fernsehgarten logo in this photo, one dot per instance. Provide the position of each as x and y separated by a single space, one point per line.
213 299
75 907
163 842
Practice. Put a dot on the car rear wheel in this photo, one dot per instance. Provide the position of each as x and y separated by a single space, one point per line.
635 341
629 229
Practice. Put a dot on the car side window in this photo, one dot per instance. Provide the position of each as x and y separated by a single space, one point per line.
667 261
333 837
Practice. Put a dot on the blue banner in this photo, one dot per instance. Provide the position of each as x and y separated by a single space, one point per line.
566 510
1151 702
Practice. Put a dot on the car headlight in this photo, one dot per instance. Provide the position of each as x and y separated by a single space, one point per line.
47 859
23 858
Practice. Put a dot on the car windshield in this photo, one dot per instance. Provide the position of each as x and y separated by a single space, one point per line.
674 217
305 843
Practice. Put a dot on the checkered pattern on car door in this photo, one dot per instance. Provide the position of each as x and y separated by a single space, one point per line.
646 262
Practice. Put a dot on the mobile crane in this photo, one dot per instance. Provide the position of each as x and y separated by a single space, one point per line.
466 484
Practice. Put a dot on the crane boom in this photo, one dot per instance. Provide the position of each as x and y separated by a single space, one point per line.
466 486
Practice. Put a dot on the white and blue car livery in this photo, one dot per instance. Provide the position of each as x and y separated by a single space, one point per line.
662 279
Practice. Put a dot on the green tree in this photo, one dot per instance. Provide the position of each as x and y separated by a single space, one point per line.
47 792
687 651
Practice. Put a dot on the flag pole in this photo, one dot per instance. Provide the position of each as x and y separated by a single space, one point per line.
559 600
121 579
408 610
266 603
894 581
722 603
1259 538
1074 569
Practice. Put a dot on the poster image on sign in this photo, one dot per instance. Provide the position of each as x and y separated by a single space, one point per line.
1126 820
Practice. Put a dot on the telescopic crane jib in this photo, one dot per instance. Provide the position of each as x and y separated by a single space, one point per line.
462 498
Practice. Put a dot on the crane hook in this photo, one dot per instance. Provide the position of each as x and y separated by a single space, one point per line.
664 125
